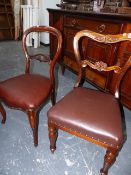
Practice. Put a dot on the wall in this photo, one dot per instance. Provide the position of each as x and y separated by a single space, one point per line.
44 16
16 9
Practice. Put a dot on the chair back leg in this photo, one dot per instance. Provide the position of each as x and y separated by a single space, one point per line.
3 113
53 97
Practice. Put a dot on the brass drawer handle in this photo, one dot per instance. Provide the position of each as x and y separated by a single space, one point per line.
101 28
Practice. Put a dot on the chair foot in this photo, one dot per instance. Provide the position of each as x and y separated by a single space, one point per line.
52 149
103 173
52 136
33 119
3 114
35 136
109 159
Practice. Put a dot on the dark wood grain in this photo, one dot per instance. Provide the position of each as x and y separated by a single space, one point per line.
69 22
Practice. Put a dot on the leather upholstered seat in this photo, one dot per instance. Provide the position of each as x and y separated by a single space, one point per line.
28 92
19 92
84 111
90 114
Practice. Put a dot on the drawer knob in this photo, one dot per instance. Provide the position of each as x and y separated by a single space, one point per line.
73 22
101 28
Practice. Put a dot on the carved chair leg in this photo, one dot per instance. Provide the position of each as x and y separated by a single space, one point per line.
33 119
53 97
109 159
3 114
53 132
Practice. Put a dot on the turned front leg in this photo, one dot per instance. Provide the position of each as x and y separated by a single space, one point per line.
109 159
53 132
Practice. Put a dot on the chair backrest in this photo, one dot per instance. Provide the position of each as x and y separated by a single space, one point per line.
42 57
100 65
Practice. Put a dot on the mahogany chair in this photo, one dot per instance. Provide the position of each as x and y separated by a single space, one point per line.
91 114
28 92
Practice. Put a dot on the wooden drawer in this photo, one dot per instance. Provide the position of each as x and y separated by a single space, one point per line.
103 52
68 42
94 25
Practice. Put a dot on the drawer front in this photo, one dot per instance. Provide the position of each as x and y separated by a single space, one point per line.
102 52
94 25
68 42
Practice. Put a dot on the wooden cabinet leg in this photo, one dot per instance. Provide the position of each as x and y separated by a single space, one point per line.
33 119
3 113
53 132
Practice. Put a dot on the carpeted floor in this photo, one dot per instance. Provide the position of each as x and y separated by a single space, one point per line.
73 156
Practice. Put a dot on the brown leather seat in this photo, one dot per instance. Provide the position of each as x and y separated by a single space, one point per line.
22 91
91 114
84 111
28 92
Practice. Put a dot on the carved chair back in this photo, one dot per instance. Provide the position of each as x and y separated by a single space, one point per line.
100 65
42 57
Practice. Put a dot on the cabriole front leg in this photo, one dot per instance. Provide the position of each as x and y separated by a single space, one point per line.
33 119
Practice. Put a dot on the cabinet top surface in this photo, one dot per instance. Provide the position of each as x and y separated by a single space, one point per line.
113 16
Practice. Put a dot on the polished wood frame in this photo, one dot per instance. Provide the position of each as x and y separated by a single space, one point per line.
112 152
101 66
33 112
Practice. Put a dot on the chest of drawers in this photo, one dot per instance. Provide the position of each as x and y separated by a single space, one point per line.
71 22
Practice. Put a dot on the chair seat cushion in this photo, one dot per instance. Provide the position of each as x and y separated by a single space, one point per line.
91 113
25 91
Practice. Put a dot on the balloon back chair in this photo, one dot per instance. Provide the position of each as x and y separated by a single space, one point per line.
29 91
92 114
